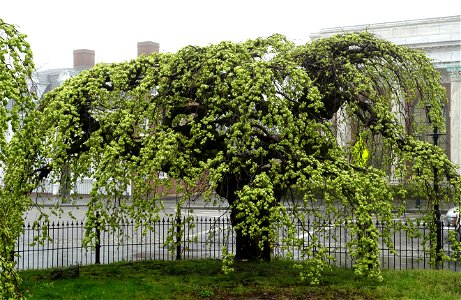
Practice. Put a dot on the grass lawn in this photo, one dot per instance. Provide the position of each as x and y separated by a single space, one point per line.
203 279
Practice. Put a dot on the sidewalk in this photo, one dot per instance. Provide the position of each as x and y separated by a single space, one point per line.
169 202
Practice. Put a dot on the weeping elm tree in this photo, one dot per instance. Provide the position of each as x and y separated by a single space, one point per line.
257 123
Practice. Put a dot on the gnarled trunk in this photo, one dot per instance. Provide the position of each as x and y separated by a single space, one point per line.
248 247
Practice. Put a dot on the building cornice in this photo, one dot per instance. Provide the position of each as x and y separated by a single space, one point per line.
438 44
386 25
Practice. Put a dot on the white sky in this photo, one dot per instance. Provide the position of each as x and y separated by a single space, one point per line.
113 27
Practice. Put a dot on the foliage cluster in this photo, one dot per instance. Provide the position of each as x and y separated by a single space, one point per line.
16 100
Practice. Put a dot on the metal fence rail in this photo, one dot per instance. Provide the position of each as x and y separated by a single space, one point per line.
202 238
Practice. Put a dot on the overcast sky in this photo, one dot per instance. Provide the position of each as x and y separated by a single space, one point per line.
113 27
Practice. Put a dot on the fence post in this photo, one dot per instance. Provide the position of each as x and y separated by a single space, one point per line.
98 240
178 238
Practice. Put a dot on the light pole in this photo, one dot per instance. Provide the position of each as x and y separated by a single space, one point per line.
437 214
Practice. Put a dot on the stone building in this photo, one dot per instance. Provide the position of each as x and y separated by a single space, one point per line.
440 39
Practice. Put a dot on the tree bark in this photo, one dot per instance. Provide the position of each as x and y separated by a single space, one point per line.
247 247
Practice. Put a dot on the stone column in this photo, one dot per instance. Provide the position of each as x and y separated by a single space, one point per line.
455 114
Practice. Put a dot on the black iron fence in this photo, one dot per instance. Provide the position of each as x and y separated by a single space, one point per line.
197 238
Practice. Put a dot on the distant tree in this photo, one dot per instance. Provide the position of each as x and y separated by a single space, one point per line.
258 124
16 68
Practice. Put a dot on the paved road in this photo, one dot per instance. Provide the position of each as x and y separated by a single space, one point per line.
68 212
198 205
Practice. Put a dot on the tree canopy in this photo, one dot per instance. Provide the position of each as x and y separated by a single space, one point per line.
258 123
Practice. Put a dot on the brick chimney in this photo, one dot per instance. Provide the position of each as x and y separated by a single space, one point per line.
148 47
83 58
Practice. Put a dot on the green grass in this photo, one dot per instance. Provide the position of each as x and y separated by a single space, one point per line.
204 280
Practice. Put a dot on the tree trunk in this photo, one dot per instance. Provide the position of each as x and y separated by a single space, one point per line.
247 247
